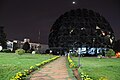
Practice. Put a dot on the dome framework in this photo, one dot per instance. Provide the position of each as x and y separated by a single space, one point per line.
81 27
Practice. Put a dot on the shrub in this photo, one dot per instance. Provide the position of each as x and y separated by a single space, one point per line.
74 54
99 56
85 76
28 51
110 53
20 51
6 50
71 63
26 46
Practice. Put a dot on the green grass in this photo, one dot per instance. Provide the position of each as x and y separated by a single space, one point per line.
11 63
96 68
71 75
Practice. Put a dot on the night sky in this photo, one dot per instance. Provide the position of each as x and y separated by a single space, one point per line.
25 18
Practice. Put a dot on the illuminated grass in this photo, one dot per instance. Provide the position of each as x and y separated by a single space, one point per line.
11 63
96 68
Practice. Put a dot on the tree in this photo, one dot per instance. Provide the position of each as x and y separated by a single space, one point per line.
26 46
3 38
116 46
81 27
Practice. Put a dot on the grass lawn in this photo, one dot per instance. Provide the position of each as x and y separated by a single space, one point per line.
11 63
96 68
70 71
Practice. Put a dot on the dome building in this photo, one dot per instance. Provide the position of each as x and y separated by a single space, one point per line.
81 28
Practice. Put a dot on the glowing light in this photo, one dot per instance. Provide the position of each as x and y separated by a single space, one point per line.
73 2
97 27
111 41
50 51
71 31
103 33
0 48
118 55
82 28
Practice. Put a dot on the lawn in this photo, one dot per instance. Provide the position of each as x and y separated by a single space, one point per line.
96 68
11 63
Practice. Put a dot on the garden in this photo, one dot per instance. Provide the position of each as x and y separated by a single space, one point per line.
11 64
109 69
93 68
19 65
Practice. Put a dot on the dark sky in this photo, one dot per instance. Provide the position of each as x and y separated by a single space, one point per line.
25 18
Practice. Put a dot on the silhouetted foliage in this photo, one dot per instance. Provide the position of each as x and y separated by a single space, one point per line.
15 46
80 27
3 38
116 46
6 50
26 46
110 53
20 51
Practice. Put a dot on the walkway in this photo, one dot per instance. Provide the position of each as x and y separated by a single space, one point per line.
55 70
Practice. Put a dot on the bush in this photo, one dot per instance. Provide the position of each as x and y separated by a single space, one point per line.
99 56
74 54
6 50
110 53
28 51
26 46
71 63
20 51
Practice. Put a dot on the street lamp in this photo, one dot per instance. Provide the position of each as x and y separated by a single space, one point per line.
50 53
79 52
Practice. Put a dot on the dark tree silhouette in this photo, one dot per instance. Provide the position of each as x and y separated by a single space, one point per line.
3 38
116 46
80 27
26 46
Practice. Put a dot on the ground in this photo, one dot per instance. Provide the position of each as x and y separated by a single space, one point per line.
55 70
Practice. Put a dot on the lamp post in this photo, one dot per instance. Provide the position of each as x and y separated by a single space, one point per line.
50 53
79 51
93 41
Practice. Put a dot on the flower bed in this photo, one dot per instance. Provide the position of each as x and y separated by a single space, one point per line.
71 63
118 55
74 68
22 75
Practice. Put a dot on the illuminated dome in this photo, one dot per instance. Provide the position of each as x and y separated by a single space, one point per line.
81 27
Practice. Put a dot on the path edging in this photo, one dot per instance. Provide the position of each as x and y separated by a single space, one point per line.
25 73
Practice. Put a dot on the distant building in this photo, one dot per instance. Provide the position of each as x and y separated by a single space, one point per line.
10 45
16 44
27 40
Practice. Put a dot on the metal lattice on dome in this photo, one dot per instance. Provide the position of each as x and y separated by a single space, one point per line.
81 27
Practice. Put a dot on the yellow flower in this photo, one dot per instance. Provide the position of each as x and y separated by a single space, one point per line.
26 70
88 79
72 65
103 78
20 74
31 67
13 79
17 77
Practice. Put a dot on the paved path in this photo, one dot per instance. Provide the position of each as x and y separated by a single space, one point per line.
55 70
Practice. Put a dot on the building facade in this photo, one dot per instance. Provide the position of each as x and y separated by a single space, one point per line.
17 44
